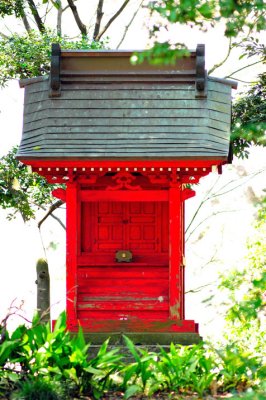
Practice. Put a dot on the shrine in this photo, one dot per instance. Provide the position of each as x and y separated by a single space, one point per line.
128 142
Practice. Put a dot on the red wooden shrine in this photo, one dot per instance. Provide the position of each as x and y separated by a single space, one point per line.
127 158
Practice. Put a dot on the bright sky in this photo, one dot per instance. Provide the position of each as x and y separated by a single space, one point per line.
21 244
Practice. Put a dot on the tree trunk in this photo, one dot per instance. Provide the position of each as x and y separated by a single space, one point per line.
43 289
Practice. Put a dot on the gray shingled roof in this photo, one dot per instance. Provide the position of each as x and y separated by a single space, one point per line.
105 119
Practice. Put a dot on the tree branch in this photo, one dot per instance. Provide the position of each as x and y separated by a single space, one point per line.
59 21
12 310
219 193
53 207
129 24
3 35
60 12
205 219
36 16
99 16
206 197
80 24
111 20
26 22
241 69
198 289
224 60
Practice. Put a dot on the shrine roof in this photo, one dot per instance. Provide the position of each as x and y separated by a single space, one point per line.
97 105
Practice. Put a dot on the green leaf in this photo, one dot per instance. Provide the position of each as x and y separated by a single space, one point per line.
132 391
60 324
6 349
131 347
103 348
79 340
92 370
206 10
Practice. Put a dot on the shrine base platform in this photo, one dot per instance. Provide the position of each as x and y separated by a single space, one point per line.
145 339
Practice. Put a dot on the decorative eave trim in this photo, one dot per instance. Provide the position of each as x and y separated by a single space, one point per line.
91 66
122 164
228 82
31 81
107 53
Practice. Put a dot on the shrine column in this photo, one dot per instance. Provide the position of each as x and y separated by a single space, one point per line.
175 252
71 252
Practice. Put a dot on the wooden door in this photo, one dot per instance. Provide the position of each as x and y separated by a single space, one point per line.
111 290
141 227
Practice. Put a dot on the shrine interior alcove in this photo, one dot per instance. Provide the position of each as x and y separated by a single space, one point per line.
128 143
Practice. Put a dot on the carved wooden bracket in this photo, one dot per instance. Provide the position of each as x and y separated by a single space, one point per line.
55 83
175 180
158 179
200 71
123 181
187 194
59 194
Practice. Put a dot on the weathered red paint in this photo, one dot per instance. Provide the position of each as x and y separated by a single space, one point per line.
136 206
105 164
71 253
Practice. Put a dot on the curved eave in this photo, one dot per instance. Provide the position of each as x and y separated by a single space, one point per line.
137 163
228 82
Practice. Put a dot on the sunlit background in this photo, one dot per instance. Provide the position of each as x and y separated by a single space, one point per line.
216 241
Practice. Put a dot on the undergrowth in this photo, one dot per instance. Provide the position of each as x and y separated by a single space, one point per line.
37 364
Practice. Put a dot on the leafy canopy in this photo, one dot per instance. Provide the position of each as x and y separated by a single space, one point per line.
28 55
246 292
249 119
10 7
21 191
249 110
238 17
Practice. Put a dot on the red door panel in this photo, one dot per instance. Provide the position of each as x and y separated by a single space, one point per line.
127 290
139 227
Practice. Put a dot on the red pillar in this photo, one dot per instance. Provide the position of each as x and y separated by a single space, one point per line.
71 253
182 260
175 296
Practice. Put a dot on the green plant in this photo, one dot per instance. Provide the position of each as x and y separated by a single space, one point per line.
21 191
183 369
238 368
141 376
28 55
245 293
57 357
36 390
37 362
249 118
188 368
105 367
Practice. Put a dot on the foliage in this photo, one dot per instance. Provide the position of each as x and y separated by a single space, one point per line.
160 53
28 55
249 119
239 367
20 190
246 290
249 109
238 18
185 369
56 365
9 7
37 389
57 358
